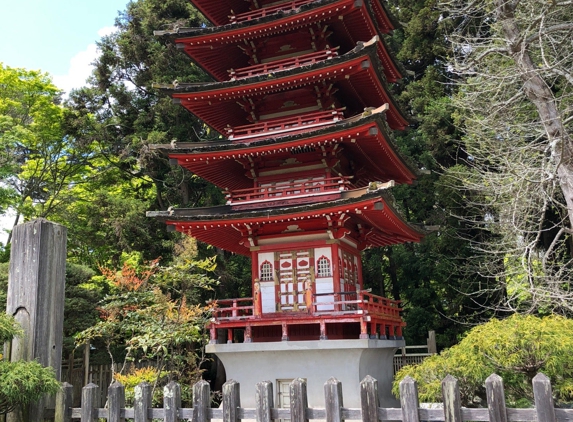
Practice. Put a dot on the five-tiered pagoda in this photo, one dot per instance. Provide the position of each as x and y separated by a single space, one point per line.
300 94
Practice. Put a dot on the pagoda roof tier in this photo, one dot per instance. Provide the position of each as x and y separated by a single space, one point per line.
222 12
356 75
217 49
364 140
363 216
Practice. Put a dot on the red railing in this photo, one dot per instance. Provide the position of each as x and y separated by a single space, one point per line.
265 11
230 309
352 302
282 64
285 124
378 316
363 303
310 187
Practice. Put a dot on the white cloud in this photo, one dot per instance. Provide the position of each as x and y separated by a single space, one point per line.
81 65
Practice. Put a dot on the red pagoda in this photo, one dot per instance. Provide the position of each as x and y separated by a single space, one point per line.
300 95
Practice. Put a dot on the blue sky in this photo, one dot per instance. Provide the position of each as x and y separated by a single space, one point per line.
55 36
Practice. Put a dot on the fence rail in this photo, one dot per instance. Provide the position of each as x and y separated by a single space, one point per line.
333 411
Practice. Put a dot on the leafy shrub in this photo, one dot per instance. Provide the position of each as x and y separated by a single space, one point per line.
21 382
516 348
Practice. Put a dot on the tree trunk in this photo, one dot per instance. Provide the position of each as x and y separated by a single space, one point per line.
539 93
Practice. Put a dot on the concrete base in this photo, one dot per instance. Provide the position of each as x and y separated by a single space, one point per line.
349 361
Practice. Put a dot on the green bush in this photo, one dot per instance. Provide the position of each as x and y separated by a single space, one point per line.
516 348
21 382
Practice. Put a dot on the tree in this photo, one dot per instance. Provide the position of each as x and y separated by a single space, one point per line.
514 60
152 316
129 113
428 277
21 382
38 162
516 348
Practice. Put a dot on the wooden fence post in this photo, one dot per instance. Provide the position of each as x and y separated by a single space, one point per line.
333 400
369 400
231 401
201 401
264 401
298 401
171 401
431 342
543 398
116 402
495 398
90 399
409 400
64 403
142 402
451 398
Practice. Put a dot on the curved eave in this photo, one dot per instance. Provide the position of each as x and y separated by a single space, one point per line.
385 19
358 70
369 214
366 139
218 11
364 21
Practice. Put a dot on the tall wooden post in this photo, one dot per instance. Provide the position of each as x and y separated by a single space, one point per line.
36 299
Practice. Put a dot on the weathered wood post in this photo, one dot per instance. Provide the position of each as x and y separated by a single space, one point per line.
333 400
64 403
36 284
116 402
142 402
201 401
544 406
264 400
231 401
409 400
495 398
298 400
369 399
452 400
171 401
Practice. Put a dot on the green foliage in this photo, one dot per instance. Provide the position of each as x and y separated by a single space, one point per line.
4 269
81 297
9 328
151 316
38 162
516 348
21 382
24 382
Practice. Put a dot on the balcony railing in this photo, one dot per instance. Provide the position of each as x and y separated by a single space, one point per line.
292 190
374 313
285 124
265 11
274 66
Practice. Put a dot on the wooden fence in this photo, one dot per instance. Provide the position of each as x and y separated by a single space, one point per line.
333 411
405 355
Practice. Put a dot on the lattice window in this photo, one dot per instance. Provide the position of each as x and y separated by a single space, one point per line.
266 271
323 267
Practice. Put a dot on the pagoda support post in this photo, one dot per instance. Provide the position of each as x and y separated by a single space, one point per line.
363 329
323 335
35 298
